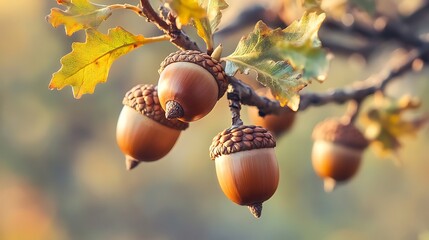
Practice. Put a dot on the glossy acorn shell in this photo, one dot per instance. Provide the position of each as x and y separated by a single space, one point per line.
143 133
248 177
190 85
278 124
246 165
143 138
331 160
337 150
193 81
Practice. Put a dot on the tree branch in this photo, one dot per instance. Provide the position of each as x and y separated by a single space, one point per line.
392 30
357 91
241 93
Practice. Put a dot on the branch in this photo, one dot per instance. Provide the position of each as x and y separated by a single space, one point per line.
241 93
358 91
393 29
177 36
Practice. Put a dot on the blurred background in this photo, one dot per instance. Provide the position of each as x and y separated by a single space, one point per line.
62 175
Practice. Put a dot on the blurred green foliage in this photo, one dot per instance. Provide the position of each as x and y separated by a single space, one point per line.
63 177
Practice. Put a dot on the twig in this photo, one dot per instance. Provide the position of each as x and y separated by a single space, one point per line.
234 98
133 8
177 37
352 112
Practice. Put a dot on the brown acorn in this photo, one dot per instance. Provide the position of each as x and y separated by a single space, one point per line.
337 151
246 165
190 84
278 124
143 133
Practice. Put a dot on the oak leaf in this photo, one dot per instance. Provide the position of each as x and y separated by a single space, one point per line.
208 25
386 122
285 60
79 15
186 10
89 63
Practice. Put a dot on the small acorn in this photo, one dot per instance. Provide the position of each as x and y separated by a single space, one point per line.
190 84
246 165
143 133
337 151
278 124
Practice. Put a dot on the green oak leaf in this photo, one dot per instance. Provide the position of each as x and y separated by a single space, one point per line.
285 60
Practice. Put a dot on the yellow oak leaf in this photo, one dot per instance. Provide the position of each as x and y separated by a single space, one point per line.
386 123
79 15
186 10
208 25
89 63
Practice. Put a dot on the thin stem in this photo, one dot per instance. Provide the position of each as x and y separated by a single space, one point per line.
156 39
352 112
133 8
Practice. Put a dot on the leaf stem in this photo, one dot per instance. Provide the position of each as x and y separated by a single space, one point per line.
352 112
133 8
156 39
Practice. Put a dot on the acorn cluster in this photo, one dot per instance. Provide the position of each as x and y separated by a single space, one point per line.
190 84
152 118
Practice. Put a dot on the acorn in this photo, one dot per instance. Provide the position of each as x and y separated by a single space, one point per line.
143 133
246 165
190 84
279 123
337 151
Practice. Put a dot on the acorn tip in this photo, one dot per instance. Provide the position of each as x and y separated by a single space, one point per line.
173 110
131 163
329 184
256 209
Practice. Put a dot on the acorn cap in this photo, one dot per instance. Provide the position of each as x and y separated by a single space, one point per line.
144 99
333 130
202 59
239 139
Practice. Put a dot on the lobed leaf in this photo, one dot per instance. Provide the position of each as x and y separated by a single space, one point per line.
204 14
385 123
80 14
214 12
285 60
88 64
